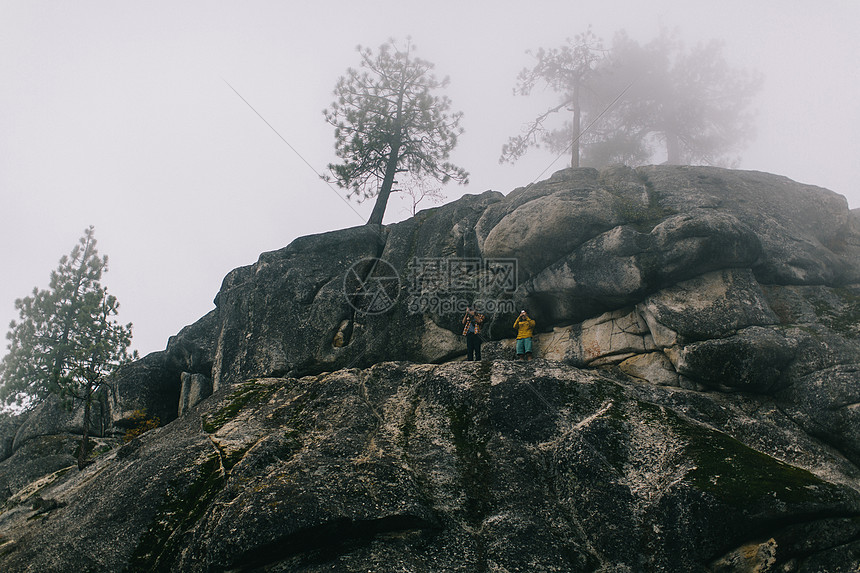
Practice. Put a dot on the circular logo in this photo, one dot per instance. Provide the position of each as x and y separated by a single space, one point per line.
371 286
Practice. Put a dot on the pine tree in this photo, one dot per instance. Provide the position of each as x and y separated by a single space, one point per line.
387 121
67 341
570 72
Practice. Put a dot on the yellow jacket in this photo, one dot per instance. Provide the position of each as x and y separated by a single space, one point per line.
524 327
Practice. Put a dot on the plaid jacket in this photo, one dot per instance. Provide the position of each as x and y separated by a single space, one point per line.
477 320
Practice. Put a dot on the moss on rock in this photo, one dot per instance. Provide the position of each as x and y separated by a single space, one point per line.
252 392
182 506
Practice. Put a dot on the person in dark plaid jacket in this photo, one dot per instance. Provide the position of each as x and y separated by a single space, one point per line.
471 330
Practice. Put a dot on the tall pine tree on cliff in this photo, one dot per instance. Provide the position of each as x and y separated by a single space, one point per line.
387 121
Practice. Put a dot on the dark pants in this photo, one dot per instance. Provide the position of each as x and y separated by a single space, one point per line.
473 346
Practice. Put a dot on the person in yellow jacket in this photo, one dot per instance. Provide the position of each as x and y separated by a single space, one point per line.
524 326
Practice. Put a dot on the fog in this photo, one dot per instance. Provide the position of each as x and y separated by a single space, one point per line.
119 115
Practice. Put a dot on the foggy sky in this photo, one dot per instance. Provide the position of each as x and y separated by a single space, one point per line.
118 114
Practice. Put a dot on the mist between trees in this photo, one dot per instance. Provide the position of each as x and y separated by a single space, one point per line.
633 103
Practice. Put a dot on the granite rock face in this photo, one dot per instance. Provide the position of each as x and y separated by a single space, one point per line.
584 243
465 466
693 405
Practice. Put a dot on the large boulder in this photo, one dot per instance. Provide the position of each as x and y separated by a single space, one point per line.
151 385
712 305
48 439
753 360
545 222
35 462
282 314
806 232
53 416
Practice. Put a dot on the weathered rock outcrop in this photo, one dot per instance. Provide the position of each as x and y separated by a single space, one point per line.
464 466
584 242
694 405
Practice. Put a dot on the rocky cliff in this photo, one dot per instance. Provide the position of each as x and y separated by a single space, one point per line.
693 405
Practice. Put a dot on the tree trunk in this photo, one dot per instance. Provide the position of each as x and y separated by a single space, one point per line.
393 159
84 452
385 191
673 149
577 128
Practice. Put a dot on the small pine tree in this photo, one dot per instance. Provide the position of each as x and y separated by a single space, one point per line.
67 341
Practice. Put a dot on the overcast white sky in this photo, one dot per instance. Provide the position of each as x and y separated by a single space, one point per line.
116 114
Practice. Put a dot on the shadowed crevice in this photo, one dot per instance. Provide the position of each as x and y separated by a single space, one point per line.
326 541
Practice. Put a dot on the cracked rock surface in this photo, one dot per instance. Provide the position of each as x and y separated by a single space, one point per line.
463 466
